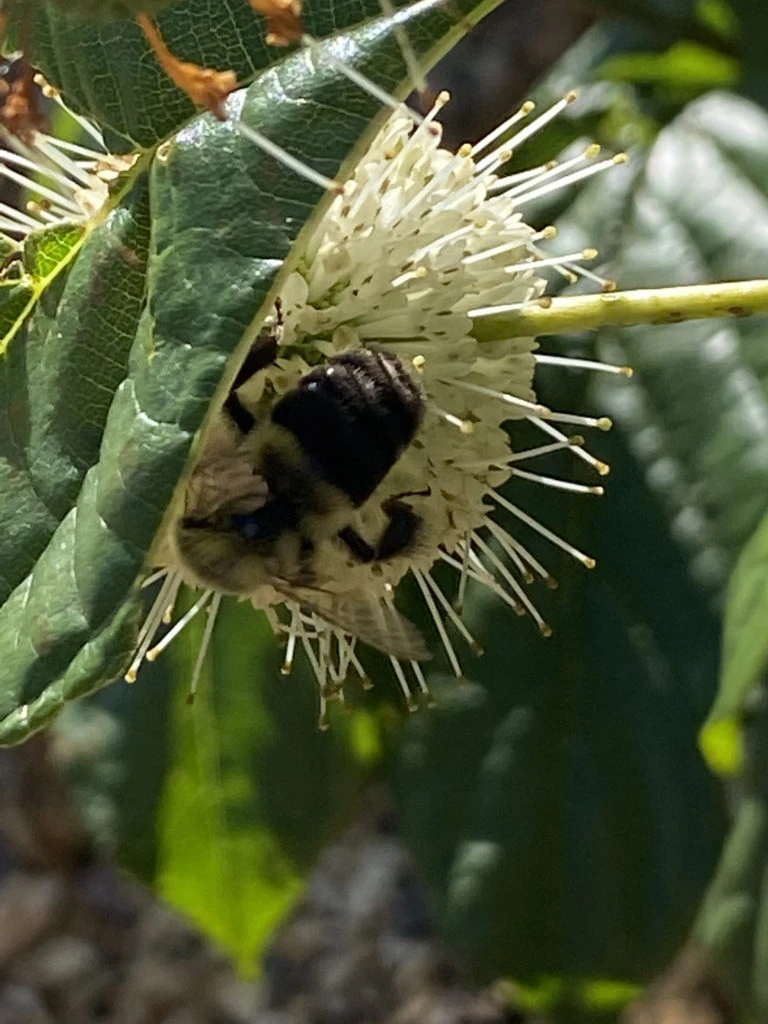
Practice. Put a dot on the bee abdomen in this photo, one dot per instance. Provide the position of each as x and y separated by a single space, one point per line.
353 416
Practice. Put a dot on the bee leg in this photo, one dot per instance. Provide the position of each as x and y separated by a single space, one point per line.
401 530
360 548
262 354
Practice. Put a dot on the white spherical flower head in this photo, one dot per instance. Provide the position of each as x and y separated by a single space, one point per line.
419 244
390 268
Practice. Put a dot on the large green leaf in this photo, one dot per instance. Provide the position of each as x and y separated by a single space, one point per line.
225 218
557 803
210 803
745 637
697 408
106 69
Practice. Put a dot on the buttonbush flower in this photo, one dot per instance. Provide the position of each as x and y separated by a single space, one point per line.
416 247
419 244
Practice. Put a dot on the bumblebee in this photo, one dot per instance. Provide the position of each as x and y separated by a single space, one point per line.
272 490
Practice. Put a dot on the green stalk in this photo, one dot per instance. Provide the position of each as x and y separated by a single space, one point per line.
623 309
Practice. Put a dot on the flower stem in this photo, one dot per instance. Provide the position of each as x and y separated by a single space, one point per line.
613 309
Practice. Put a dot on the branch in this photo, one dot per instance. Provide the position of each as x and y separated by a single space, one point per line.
622 309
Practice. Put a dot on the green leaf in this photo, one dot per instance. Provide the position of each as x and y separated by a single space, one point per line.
556 803
105 425
106 69
209 803
752 17
696 410
745 637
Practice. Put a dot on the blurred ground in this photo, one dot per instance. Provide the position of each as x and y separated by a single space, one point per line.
81 944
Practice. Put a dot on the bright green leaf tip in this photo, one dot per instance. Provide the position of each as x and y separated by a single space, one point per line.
721 744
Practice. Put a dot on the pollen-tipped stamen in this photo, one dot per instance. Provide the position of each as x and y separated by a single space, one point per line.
528 131
179 625
523 404
579 451
438 621
288 160
465 426
410 702
165 599
510 580
583 364
362 81
210 620
415 71
422 683
586 560
503 539
557 172
453 616
508 541
556 484
569 179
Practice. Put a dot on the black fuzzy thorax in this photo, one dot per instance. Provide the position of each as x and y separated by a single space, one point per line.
353 417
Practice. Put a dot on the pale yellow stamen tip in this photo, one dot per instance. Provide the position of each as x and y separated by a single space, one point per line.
627 371
545 301
505 155
412 705
597 490
621 158
551 582
549 232
467 427
443 98
130 675
604 423
589 254
592 151
527 107
476 649
545 629
590 563
285 668
465 150
322 724
571 97
550 165
366 682
609 285
602 468
419 362
576 441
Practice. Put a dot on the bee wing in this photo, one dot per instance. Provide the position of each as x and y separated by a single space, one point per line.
377 623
